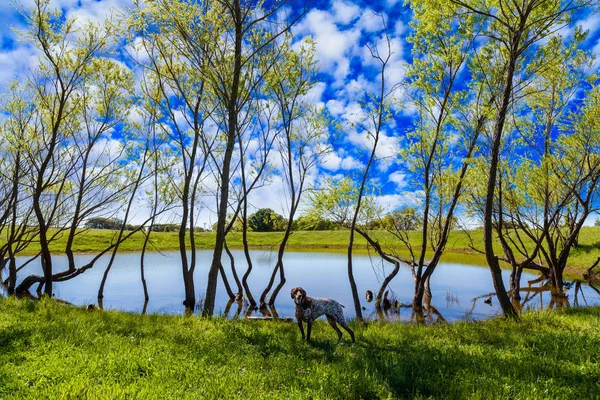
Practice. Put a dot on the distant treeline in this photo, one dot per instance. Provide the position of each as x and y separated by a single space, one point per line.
116 224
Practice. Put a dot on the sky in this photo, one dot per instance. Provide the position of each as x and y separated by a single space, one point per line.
341 30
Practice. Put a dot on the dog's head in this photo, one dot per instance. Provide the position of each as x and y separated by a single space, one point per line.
299 296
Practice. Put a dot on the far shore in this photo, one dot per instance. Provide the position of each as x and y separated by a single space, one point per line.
462 247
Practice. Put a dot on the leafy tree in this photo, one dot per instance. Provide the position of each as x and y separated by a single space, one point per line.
405 219
266 220
175 93
302 143
310 223
78 95
248 47
102 223
511 32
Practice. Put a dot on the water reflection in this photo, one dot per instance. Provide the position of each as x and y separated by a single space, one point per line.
455 292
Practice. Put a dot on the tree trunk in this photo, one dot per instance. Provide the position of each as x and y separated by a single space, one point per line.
353 288
263 296
142 275
492 259
190 292
279 286
188 277
386 282
211 286
226 282
233 271
12 275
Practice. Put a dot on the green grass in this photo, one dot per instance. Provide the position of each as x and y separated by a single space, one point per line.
50 350
457 250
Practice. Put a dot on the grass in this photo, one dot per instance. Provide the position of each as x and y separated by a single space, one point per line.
457 250
51 350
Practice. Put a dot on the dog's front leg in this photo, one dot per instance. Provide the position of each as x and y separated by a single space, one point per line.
301 328
309 328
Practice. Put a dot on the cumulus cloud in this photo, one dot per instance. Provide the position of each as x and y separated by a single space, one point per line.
344 12
390 202
332 45
399 179
335 107
591 23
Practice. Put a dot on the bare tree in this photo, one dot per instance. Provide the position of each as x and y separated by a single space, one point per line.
302 143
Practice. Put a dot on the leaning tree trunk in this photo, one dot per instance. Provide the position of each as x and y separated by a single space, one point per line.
279 286
234 271
226 282
386 282
492 260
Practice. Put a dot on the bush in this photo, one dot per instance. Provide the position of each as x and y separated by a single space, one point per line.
103 223
266 220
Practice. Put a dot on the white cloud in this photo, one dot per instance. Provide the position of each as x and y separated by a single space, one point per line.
596 51
370 21
335 107
353 112
390 202
315 94
400 28
344 13
334 161
591 23
331 162
333 46
16 64
399 179
349 163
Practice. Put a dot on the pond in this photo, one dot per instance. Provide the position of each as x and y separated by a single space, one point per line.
458 291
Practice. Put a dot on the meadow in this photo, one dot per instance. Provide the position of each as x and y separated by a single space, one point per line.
51 350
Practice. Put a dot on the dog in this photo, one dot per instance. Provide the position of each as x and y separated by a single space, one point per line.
309 309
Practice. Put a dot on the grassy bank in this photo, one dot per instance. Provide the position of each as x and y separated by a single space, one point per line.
50 350
458 248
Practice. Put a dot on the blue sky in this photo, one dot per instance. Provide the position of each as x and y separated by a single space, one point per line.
341 29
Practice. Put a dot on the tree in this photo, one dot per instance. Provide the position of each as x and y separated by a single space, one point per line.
78 96
376 114
248 48
311 223
15 204
102 223
302 143
512 30
437 151
266 220
405 219
68 111
177 93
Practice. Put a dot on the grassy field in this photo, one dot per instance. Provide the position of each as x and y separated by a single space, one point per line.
457 250
50 350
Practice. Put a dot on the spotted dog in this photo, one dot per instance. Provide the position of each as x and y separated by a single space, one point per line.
309 309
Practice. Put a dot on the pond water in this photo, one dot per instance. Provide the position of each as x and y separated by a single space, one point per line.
458 290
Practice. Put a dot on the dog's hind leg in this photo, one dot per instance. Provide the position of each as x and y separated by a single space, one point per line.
343 324
331 321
